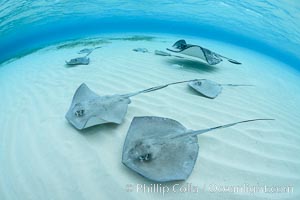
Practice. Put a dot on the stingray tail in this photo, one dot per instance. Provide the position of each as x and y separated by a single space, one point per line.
87 54
234 61
230 60
92 51
226 126
235 85
157 88
198 132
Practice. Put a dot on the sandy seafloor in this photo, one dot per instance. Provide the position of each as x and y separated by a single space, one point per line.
43 157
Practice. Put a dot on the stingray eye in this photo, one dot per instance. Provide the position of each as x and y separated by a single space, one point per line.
79 113
142 152
78 110
145 157
199 83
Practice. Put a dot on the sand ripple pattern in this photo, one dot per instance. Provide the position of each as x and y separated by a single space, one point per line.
43 157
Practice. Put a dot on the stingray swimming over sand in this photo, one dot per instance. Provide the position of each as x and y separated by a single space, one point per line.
89 109
79 61
156 52
82 60
210 89
198 53
88 51
162 149
141 50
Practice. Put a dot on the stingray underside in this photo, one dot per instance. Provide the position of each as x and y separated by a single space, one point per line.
196 52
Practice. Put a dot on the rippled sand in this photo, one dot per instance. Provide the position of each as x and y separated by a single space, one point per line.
43 157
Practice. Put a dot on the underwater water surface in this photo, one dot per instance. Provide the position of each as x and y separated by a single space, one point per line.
46 155
268 26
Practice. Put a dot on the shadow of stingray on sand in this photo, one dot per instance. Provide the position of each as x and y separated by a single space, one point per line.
189 65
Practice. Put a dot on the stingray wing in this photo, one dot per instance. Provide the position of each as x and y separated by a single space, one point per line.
83 93
175 160
211 57
206 88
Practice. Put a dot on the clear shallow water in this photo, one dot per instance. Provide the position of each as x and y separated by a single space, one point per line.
268 26
43 157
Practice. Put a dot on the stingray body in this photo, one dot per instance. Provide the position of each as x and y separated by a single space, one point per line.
88 50
155 161
142 50
79 61
85 50
162 149
89 109
198 53
208 88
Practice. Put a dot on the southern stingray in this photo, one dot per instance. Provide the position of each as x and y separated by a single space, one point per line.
89 109
82 60
79 61
156 52
162 149
88 50
208 88
196 52
142 50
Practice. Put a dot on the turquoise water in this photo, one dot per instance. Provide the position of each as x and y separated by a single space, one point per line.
42 156
267 26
